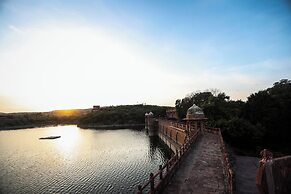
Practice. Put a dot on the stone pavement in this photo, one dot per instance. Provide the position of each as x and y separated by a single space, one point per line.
246 174
202 170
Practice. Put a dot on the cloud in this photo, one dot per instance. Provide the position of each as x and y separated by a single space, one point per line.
15 29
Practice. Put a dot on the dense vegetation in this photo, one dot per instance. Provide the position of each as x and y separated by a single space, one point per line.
264 120
112 115
127 114
25 119
34 119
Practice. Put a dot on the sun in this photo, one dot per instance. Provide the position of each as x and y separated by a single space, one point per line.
67 112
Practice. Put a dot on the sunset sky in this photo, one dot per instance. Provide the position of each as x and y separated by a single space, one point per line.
60 54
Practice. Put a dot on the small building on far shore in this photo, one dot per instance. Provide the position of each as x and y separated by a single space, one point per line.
96 108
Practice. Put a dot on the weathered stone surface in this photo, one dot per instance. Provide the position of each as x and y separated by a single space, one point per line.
245 174
202 170
280 176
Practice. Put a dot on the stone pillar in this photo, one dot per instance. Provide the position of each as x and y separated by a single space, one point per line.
146 121
202 126
153 127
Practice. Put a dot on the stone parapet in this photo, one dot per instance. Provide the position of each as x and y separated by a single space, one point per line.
274 176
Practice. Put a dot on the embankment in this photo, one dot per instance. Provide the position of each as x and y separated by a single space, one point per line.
115 126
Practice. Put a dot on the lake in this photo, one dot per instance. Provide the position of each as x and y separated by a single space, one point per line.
81 161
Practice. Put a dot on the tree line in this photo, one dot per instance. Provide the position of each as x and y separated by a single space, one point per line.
124 114
264 120
111 115
36 119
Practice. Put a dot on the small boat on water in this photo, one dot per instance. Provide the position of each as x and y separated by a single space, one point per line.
50 137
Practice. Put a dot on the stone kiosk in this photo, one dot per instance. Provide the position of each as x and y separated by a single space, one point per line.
195 119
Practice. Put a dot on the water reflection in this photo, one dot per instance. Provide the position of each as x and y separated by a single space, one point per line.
69 138
156 145
81 161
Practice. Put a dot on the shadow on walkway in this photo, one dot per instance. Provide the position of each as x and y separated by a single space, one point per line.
246 174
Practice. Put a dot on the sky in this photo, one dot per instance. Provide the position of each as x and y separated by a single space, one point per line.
62 54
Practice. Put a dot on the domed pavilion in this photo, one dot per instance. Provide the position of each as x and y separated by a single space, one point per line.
195 118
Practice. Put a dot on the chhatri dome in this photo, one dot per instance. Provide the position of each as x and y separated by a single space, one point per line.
149 114
195 112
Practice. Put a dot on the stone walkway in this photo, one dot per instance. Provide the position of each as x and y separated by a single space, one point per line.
202 170
246 174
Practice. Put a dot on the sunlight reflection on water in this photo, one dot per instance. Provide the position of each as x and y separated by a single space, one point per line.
69 138
81 161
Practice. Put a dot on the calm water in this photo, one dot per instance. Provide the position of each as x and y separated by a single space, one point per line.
81 161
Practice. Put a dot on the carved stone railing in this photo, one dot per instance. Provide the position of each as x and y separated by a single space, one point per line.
179 125
227 165
157 182
176 124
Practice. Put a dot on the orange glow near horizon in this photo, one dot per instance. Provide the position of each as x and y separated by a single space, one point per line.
67 112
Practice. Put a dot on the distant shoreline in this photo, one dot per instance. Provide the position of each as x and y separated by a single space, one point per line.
27 126
115 126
